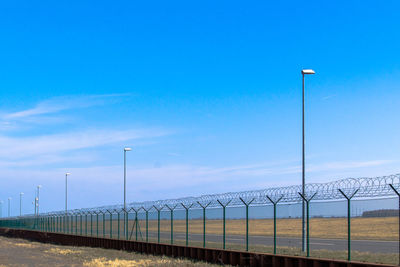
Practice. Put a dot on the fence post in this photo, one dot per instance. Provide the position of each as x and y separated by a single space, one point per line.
104 224
308 220
76 222
223 221
126 223
158 222
135 224
172 222
110 212
147 223
86 224
204 221
247 221
97 224
348 222
398 194
187 221
118 217
80 223
91 224
274 203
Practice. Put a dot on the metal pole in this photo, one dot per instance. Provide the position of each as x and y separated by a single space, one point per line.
172 225
204 227
247 228
348 230
223 220
104 225
307 201
187 227
38 191
127 225
125 217
66 193
136 226
9 199
348 222
110 225
398 195
91 224
303 167
274 228
247 221
97 224
118 224
158 229
147 226
20 203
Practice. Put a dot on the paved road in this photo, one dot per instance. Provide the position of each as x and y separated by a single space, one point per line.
315 243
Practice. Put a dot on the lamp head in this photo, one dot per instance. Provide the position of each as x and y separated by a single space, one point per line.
67 173
307 71
127 149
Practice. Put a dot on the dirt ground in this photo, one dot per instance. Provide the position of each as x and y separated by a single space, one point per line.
20 252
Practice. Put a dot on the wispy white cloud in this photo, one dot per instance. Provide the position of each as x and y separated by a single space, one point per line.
55 144
58 104
328 97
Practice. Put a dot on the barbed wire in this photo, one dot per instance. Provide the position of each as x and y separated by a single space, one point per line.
367 188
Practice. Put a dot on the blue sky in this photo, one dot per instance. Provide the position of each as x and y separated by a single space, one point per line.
207 93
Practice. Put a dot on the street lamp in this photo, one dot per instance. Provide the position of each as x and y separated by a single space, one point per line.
37 203
66 191
304 72
1 208
9 212
125 215
20 203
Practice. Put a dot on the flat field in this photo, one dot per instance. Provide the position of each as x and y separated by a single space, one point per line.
332 228
384 229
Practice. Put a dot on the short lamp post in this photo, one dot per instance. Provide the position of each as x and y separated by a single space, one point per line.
37 203
125 213
66 191
20 203
9 206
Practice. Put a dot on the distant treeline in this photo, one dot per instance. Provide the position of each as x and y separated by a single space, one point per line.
381 213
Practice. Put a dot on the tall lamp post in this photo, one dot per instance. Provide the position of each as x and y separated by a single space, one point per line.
37 203
9 211
304 72
20 203
66 191
125 215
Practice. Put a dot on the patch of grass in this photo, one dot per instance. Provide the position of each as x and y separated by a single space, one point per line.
62 251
